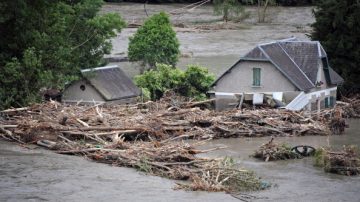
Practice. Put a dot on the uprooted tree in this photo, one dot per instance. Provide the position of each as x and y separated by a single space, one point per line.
194 82
155 42
45 43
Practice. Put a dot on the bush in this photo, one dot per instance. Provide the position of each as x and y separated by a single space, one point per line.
155 42
194 82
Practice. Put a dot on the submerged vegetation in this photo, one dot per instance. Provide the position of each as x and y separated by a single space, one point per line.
343 162
228 8
224 176
272 151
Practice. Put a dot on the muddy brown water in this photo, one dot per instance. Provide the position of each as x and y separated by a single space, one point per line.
214 49
41 175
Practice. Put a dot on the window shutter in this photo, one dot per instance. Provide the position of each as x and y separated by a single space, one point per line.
256 76
327 101
332 101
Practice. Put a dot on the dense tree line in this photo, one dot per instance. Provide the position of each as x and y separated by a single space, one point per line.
244 2
337 27
43 44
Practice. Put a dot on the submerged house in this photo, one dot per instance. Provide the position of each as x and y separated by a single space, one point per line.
293 72
102 85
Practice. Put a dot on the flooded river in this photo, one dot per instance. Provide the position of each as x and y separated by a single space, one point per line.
40 175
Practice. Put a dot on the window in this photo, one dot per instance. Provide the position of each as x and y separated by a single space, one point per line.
329 102
82 87
256 76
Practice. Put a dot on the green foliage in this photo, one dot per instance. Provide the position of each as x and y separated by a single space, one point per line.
319 157
194 82
45 43
197 81
228 8
337 27
155 42
344 162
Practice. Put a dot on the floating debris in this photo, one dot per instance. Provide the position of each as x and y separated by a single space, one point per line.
343 162
271 152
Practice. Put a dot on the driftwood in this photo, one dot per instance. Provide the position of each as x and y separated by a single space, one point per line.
272 152
343 162
83 132
146 136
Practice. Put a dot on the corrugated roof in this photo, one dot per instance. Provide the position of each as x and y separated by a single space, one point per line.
111 82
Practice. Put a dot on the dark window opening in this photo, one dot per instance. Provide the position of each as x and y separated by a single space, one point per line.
82 87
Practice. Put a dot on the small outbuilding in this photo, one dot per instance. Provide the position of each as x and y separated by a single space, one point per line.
295 74
102 85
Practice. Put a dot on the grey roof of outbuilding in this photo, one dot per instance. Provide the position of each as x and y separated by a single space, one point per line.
111 82
297 60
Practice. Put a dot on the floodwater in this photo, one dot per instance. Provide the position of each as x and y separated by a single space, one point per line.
40 175
296 180
215 49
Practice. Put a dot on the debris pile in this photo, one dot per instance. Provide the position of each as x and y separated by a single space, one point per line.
344 162
272 151
151 121
223 176
146 136
350 107
128 136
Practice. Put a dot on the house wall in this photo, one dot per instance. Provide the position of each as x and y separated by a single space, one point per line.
74 94
240 79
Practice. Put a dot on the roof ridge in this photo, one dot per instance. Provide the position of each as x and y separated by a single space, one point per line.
280 40
99 68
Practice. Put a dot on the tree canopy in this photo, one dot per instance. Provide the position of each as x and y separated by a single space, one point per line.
337 27
45 43
155 42
194 82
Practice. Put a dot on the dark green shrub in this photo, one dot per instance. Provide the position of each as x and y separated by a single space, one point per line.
194 82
